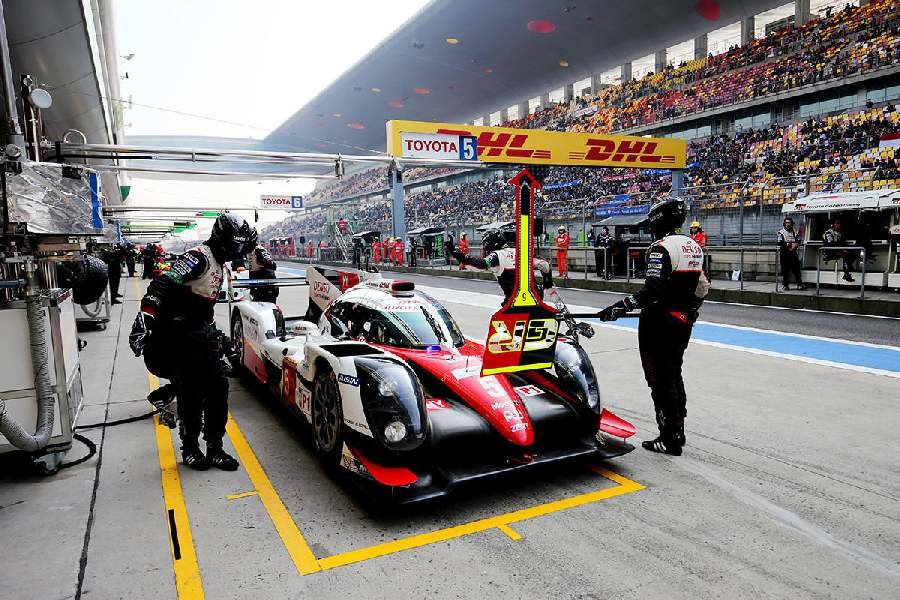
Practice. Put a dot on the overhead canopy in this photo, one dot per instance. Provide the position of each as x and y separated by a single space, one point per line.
427 231
496 225
829 202
457 60
622 220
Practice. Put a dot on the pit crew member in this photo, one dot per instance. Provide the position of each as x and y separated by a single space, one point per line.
670 300
261 266
176 333
500 259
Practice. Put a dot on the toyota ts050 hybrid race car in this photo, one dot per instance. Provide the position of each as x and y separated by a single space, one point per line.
394 396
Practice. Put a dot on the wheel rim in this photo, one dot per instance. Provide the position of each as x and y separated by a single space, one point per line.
238 336
325 416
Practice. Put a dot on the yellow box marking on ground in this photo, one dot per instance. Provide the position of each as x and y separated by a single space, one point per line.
512 533
188 582
293 540
625 486
242 495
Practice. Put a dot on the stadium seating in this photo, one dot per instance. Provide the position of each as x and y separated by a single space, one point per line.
834 153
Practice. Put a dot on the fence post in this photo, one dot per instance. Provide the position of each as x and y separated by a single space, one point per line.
741 234
586 245
862 280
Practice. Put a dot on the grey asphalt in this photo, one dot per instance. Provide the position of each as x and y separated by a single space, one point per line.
789 488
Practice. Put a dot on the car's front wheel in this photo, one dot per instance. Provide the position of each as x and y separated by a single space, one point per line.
237 339
327 418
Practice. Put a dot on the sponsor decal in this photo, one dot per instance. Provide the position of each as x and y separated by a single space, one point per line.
348 379
439 145
529 390
523 146
656 255
432 404
303 400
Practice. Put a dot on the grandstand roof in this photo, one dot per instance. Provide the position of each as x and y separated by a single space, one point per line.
457 59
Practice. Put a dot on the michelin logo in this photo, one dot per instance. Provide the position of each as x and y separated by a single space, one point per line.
348 379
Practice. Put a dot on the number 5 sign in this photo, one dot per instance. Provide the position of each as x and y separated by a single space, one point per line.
468 147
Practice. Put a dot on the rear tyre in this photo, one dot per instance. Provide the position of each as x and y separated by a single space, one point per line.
327 419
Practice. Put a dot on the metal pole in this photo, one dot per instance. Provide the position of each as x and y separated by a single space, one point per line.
398 208
13 129
818 269
741 234
584 233
862 280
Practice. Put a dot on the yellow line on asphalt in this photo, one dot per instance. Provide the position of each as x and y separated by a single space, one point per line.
188 582
242 495
293 540
625 486
512 533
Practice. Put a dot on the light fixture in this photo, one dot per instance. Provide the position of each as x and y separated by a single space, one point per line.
376 90
336 115
40 98
563 63
452 41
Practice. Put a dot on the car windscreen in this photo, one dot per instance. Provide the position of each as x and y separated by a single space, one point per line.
415 326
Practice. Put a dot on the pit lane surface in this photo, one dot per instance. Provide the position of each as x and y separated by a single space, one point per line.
789 487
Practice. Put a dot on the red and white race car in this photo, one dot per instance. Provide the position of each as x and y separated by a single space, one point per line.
394 396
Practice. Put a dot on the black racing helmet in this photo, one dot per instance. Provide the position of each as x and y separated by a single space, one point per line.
232 236
493 240
666 215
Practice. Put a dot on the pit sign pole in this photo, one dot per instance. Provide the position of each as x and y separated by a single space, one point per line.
522 334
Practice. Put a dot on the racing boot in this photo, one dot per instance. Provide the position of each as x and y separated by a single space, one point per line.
192 457
220 459
662 446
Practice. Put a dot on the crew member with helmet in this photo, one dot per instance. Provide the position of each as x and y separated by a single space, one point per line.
399 250
670 300
261 265
177 335
309 249
463 247
699 236
562 250
500 259
376 250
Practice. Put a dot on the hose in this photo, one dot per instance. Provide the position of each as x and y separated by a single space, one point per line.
17 435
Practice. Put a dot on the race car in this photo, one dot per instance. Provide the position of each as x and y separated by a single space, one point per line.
394 395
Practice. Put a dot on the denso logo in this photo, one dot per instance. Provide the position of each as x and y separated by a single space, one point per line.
431 146
627 151
321 286
502 144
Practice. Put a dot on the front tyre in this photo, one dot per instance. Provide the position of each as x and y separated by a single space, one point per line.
327 419
237 340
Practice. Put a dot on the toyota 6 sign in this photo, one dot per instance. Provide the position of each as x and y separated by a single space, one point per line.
440 146
281 202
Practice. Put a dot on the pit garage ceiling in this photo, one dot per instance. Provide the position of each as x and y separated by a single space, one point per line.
456 60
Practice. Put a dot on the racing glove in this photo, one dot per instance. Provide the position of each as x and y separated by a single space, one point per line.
140 331
614 311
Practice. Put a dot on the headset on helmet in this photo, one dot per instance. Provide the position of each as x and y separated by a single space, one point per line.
493 239
233 236
666 216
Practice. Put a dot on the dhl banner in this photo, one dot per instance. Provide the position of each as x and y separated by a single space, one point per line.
418 139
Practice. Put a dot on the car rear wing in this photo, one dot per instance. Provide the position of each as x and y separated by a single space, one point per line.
279 282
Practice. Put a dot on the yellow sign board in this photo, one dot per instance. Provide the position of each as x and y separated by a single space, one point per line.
540 147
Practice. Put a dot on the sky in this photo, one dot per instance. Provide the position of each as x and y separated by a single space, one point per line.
241 68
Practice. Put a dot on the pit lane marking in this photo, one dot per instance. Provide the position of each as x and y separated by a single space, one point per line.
308 563
499 522
241 495
300 552
188 581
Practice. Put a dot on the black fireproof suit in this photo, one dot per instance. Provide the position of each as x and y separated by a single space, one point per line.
262 266
185 346
670 300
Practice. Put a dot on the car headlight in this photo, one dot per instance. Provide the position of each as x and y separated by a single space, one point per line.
393 402
395 432
574 369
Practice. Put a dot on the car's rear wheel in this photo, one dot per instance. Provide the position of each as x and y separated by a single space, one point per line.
237 339
327 418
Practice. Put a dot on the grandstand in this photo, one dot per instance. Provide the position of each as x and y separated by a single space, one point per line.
800 110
